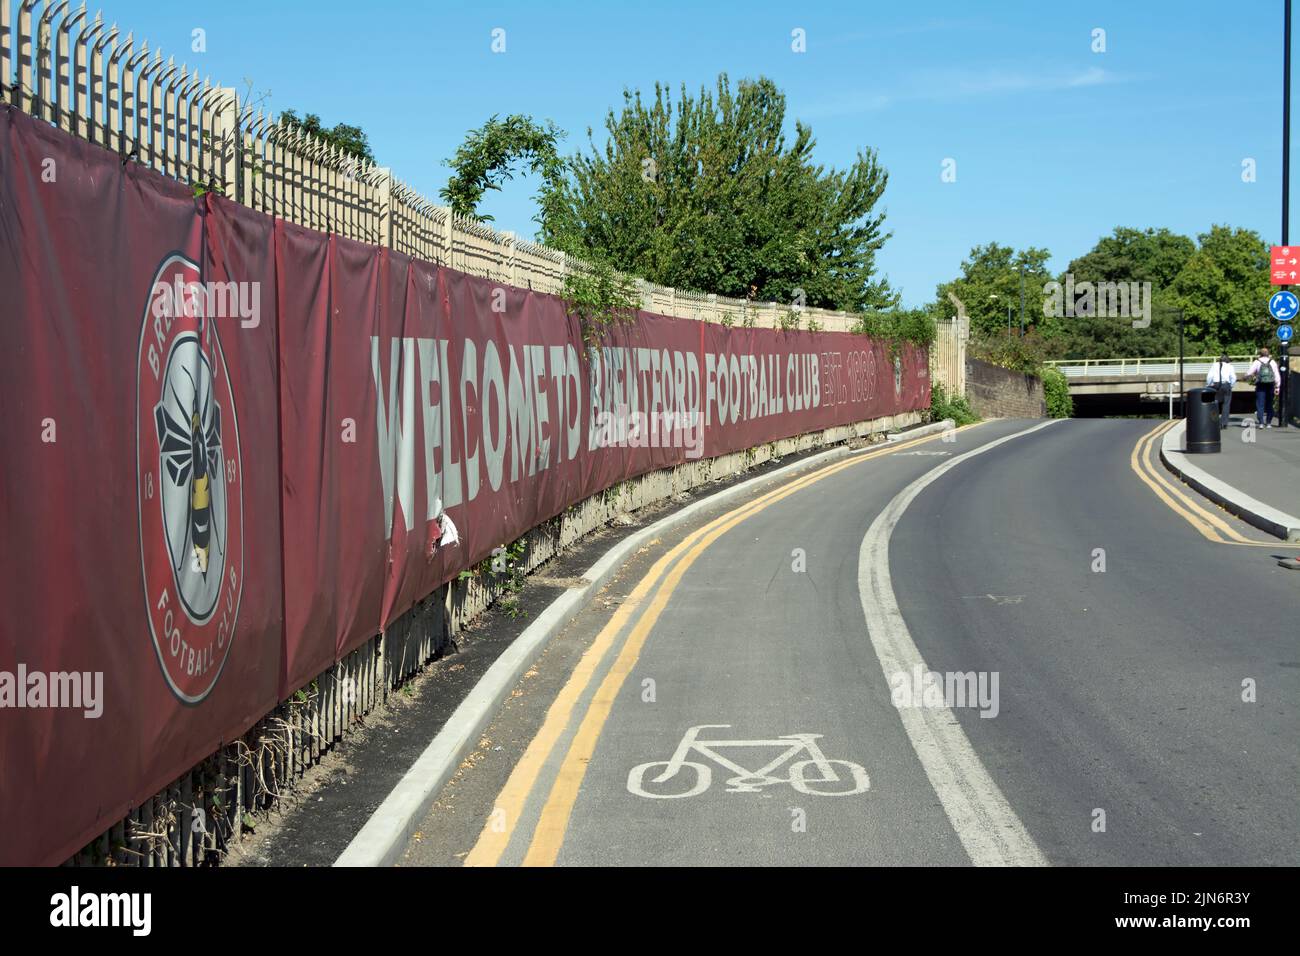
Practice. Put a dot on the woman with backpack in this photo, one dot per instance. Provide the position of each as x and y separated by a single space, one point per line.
1265 373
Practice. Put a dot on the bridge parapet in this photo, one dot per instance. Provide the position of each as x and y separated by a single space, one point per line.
1133 369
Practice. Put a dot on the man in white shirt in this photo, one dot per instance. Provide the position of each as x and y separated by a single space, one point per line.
1264 372
1221 378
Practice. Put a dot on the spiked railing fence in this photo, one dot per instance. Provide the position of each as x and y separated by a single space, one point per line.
75 72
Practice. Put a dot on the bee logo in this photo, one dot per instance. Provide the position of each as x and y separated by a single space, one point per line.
189 483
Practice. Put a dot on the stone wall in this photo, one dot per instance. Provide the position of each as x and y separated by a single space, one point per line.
996 392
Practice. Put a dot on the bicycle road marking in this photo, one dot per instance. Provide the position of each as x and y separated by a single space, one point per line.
751 781
499 829
984 821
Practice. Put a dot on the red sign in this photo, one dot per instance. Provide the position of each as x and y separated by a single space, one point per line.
1284 265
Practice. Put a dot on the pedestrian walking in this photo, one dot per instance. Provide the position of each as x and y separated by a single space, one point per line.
1264 373
1221 377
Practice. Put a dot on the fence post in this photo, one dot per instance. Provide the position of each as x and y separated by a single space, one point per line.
509 264
6 49
248 166
24 79
448 237
225 142
99 131
384 199
44 58
963 335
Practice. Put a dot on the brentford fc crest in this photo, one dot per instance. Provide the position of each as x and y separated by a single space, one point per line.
189 477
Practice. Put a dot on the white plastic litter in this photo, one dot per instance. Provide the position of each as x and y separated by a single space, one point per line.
450 535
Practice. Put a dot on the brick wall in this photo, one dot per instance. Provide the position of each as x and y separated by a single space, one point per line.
996 392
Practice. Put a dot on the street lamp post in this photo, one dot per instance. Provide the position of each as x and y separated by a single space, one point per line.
1182 397
1284 362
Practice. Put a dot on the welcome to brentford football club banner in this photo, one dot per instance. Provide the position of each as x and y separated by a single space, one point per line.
234 449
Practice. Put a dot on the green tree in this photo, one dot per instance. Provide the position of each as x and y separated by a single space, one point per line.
350 139
1135 255
1219 283
1223 291
1128 255
990 282
491 155
707 194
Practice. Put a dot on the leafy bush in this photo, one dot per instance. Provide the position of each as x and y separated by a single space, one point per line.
491 155
943 405
898 325
598 296
1057 392
1017 354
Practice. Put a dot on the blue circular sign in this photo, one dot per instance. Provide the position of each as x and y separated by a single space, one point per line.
1284 333
1283 306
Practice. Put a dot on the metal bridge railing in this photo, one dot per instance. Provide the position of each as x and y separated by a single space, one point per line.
1161 366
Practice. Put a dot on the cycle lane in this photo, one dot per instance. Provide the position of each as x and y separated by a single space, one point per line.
764 633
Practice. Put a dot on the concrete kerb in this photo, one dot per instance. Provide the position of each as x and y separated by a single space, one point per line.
1255 512
383 837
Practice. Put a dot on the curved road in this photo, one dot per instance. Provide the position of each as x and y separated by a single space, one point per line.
1114 685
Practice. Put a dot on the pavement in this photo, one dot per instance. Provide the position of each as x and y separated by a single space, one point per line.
742 692
1254 466
1263 462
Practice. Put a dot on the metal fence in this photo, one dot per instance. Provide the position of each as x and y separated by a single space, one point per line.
948 354
89 79
1159 366
112 89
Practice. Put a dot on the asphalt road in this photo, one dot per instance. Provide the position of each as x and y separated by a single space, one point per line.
1114 729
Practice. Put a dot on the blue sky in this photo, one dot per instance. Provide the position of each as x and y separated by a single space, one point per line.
1055 145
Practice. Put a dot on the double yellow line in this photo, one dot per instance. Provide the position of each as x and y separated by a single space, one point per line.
1211 526
549 833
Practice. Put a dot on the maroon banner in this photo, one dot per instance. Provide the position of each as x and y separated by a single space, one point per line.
140 577
234 449
431 417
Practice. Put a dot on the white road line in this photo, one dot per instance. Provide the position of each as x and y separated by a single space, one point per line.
987 826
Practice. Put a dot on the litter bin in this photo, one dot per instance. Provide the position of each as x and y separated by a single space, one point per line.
1202 421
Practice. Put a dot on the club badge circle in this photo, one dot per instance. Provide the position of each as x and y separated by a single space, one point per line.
189 481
